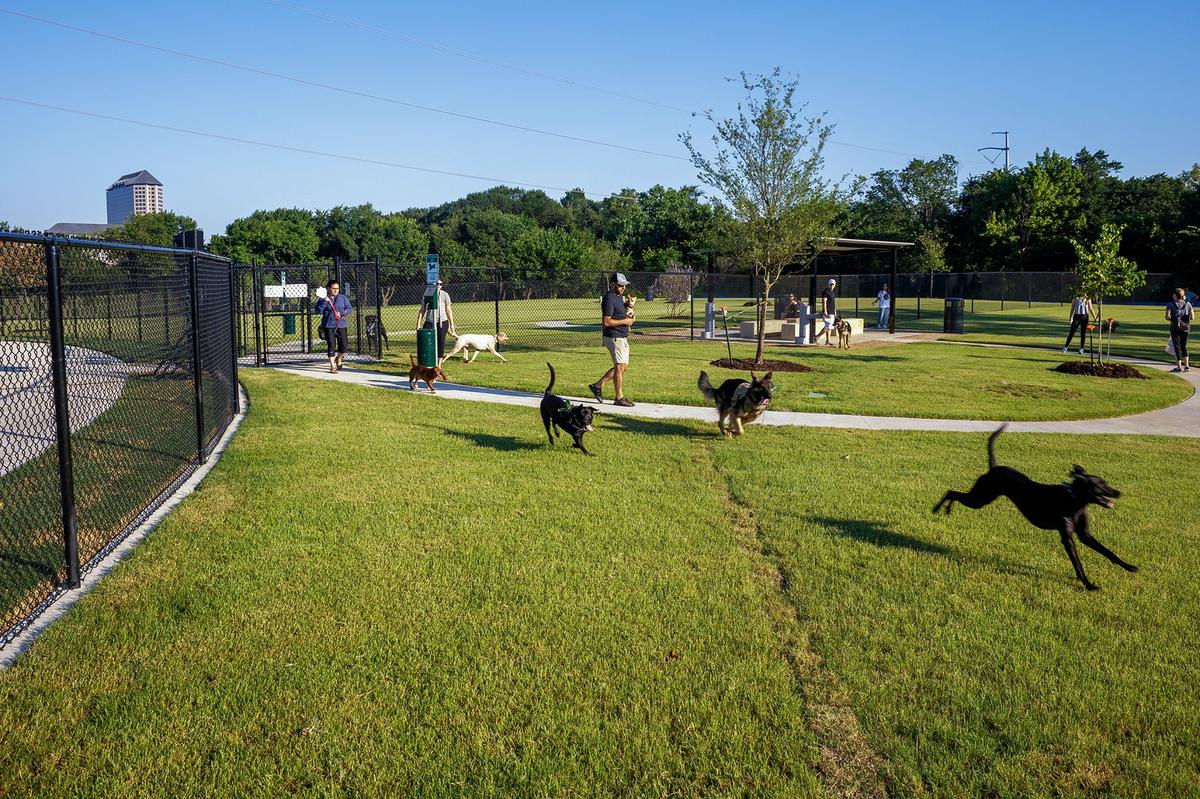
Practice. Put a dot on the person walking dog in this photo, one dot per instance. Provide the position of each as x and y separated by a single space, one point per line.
616 317
1180 314
1081 314
442 318
335 309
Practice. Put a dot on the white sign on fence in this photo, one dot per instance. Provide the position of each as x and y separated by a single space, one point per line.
287 290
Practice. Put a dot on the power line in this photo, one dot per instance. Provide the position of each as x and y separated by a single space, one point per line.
290 148
332 88
472 56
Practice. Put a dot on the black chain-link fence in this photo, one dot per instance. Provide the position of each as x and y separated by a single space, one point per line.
117 378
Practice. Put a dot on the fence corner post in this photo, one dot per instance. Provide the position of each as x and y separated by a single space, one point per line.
197 373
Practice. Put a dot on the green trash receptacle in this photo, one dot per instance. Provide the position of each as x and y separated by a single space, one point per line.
952 321
427 346
289 324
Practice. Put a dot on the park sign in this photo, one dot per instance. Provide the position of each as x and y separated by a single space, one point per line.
431 269
271 290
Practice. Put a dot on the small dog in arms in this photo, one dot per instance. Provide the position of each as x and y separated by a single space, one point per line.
738 401
1062 507
475 343
428 374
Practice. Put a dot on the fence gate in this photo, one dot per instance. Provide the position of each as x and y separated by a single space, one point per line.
278 322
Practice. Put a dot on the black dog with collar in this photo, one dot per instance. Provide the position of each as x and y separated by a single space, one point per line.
560 413
1062 507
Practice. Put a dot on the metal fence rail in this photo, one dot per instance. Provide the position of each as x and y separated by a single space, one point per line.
117 377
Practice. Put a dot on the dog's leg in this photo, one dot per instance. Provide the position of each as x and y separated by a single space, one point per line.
546 421
984 492
737 426
498 355
1085 536
579 443
474 355
1068 542
947 501
721 425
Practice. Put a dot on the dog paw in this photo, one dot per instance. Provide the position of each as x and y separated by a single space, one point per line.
1129 567
1092 587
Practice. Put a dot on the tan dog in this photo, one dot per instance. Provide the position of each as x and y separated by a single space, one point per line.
428 374
843 330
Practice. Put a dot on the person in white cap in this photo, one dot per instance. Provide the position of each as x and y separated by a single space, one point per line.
615 320
828 312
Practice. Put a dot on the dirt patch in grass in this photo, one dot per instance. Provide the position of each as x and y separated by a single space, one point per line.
766 366
1116 370
1028 391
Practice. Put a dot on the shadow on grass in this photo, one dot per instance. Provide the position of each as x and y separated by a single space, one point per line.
657 427
875 533
499 443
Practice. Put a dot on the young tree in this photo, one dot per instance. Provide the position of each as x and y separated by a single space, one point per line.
675 286
1103 272
767 169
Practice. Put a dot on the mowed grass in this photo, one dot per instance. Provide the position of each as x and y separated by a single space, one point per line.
970 654
441 607
379 594
931 380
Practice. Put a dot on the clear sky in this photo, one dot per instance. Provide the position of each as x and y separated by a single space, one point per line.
913 78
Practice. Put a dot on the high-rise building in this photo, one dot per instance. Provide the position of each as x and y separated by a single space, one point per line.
135 193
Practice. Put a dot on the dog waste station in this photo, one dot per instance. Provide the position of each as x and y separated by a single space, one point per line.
427 335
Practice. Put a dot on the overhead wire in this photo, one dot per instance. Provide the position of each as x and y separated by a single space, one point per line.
333 88
294 149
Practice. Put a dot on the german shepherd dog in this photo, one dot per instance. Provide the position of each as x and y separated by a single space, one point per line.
428 374
1062 507
738 401
843 330
560 413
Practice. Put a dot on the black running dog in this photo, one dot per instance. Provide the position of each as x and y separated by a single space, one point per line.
738 401
1062 507
560 413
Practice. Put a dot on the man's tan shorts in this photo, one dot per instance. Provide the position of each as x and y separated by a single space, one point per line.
618 348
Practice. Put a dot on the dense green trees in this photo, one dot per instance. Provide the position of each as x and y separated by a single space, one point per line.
1025 219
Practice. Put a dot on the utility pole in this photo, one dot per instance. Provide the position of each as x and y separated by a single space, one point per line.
1004 148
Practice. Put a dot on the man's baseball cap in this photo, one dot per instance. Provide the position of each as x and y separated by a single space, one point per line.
831 282
619 279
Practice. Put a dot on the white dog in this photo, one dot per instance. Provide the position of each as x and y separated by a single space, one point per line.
477 343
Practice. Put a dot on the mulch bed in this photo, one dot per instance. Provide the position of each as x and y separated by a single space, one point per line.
1117 370
747 364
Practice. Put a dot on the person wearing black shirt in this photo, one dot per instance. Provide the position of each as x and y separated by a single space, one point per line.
615 320
828 313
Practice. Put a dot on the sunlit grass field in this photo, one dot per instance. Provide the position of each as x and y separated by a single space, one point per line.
381 594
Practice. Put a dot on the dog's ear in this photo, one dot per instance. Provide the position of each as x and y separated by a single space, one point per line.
1078 471
767 377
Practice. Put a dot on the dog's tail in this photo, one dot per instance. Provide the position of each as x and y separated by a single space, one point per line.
992 445
706 387
549 387
412 359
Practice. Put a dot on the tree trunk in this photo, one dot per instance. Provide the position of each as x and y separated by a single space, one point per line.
762 319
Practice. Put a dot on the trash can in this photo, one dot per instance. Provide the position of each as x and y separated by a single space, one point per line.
289 324
427 346
952 322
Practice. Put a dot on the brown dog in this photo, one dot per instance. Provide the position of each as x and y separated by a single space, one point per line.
843 330
426 373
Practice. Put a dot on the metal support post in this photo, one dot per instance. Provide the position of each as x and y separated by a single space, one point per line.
62 416
378 313
498 282
233 324
197 374
895 298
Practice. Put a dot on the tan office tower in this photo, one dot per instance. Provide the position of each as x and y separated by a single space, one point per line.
135 193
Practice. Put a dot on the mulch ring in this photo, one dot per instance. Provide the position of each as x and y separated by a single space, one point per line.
746 364
1118 370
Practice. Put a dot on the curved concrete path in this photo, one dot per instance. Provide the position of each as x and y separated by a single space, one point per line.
95 381
1178 420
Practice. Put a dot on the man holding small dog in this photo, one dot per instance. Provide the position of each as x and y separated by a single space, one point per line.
616 319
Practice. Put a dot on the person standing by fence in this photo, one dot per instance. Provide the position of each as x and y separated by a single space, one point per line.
442 318
335 309
615 320
1081 314
1180 314
884 299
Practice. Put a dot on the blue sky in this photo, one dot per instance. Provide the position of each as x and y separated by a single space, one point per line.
917 79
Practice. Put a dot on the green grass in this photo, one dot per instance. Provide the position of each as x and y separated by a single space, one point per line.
446 606
923 380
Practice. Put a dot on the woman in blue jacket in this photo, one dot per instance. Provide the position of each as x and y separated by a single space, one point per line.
335 310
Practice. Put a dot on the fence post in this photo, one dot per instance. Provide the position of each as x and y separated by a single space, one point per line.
1029 289
307 346
166 317
1003 287
692 308
254 306
496 282
233 324
198 390
378 313
62 417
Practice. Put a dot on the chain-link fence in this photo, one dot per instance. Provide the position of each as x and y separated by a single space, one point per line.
117 377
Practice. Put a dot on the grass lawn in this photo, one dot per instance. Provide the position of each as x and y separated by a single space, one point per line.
478 614
925 380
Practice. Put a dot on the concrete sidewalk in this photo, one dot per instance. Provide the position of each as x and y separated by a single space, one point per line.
1179 420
